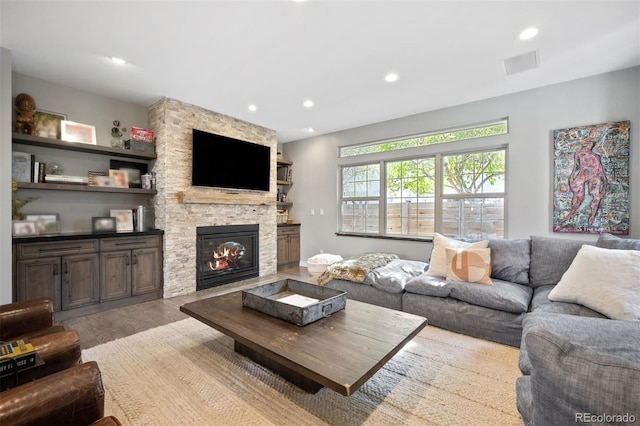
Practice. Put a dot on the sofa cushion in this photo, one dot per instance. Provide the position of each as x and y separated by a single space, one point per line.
541 303
438 260
604 280
612 242
580 330
393 276
470 265
570 380
510 259
550 258
502 295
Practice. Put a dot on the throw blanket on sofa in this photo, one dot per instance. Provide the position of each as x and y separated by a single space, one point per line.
356 268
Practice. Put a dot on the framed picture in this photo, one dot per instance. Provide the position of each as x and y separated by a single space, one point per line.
21 166
120 178
24 227
46 223
48 124
92 178
133 169
124 220
591 179
102 181
103 224
78 132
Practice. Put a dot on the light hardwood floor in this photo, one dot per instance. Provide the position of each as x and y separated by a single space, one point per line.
114 324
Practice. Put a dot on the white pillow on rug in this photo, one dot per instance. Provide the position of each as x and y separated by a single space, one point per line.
605 280
438 263
469 265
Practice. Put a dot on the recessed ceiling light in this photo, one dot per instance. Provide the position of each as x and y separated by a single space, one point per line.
117 60
310 129
391 77
529 33
253 108
308 103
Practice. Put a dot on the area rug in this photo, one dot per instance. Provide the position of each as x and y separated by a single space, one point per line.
186 373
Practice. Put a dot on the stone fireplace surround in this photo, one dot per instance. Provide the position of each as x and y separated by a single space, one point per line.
173 122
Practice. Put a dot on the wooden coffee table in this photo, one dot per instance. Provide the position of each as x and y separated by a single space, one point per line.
340 352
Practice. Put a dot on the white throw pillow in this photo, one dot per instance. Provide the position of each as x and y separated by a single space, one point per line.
605 280
438 265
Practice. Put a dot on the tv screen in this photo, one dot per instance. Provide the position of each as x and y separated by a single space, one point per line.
224 162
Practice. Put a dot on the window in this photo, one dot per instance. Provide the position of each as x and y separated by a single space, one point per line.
453 193
470 132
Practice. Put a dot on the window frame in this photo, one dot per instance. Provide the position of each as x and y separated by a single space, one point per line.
438 152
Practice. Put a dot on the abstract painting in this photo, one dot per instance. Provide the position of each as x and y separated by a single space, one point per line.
591 179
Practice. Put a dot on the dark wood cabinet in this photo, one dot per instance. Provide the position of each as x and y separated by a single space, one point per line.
78 273
130 266
66 271
288 244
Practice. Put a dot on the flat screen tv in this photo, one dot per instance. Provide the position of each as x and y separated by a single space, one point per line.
224 162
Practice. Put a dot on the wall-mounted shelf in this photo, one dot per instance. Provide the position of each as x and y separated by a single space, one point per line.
84 188
81 147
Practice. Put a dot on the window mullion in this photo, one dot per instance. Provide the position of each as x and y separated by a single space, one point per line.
439 185
382 203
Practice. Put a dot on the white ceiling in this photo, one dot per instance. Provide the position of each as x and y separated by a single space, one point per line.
225 55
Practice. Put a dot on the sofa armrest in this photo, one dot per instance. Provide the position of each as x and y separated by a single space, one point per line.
73 396
21 318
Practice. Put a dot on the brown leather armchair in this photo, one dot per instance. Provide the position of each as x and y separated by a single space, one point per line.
31 318
57 347
74 396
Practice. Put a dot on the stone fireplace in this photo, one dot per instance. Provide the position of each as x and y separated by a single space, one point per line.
180 218
226 254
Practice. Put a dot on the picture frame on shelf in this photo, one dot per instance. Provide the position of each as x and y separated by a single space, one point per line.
77 132
46 223
103 225
133 169
120 178
21 166
93 178
48 124
104 181
124 219
22 228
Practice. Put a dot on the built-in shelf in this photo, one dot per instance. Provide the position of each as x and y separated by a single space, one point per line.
85 188
81 147
283 182
279 203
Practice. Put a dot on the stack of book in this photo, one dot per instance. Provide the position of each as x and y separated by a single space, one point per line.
16 356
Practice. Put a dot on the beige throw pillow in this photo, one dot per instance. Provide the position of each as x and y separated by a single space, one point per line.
470 265
438 263
605 280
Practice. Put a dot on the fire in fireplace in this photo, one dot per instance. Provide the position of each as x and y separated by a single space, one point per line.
226 254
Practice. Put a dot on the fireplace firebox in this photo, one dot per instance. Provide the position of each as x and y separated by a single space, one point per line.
226 254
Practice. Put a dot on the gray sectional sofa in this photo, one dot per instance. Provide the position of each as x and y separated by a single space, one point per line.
578 365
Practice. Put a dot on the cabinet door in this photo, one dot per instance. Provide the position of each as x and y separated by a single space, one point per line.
39 278
80 280
294 247
283 249
145 271
115 275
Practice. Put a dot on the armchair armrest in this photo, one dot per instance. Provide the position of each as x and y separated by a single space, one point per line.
70 397
21 318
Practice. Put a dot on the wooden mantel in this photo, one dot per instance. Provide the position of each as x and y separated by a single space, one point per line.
209 196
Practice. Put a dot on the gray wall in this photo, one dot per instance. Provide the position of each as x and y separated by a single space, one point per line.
77 208
5 175
533 115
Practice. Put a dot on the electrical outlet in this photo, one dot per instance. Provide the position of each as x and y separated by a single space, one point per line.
313 212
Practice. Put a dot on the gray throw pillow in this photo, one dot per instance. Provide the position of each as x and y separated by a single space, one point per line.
510 260
612 242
